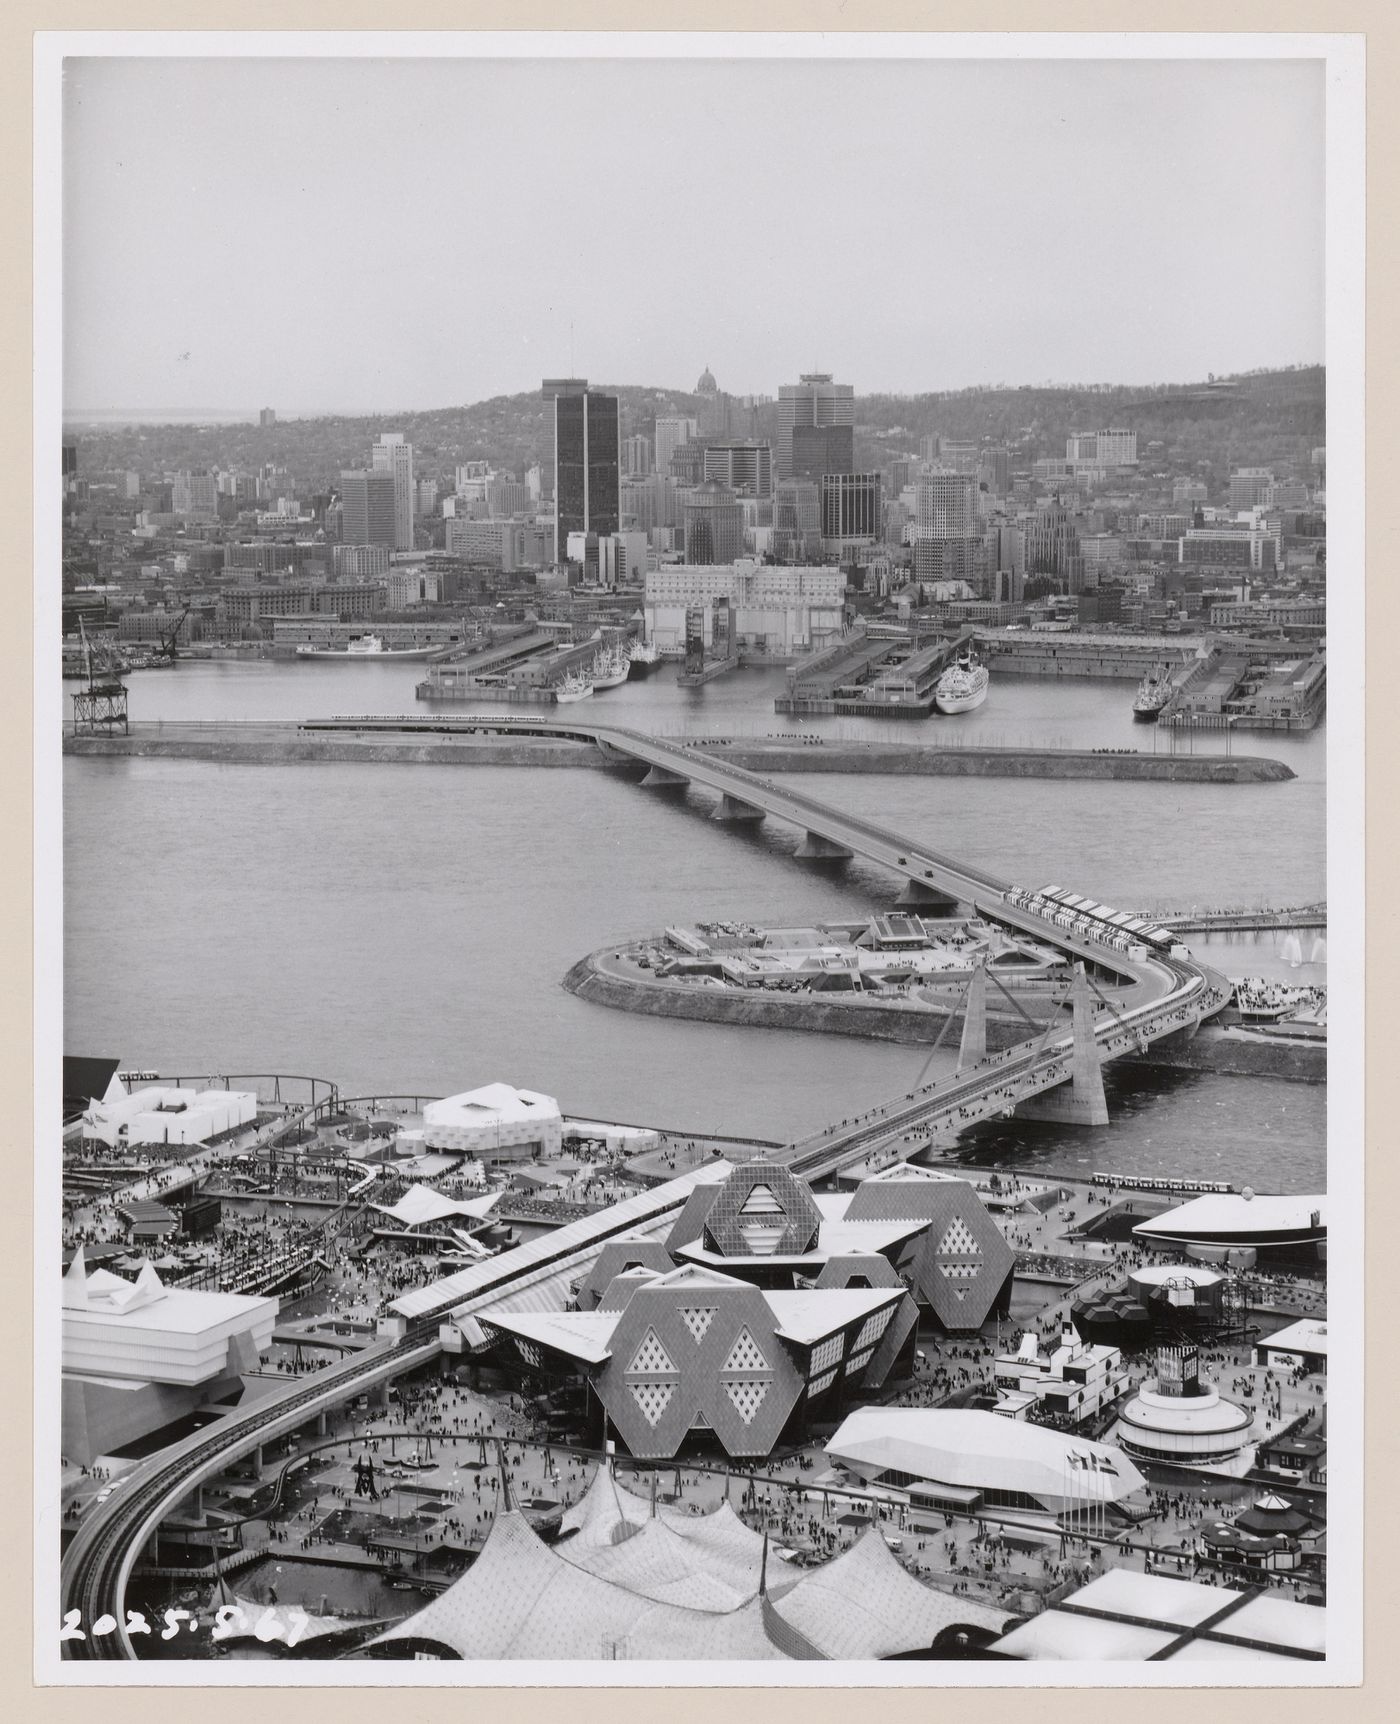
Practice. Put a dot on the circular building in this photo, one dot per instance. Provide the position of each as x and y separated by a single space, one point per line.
1178 1419
1180 1291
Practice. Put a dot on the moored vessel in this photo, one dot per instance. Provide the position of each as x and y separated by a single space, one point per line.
367 647
1154 691
610 668
963 685
645 657
575 686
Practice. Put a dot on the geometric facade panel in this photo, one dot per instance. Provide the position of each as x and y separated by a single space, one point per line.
616 1257
747 1397
745 1354
957 1240
651 1357
697 1319
873 1328
737 1379
858 1361
653 1399
961 1265
826 1353
762 1210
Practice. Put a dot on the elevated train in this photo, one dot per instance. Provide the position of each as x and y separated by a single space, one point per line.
1077 914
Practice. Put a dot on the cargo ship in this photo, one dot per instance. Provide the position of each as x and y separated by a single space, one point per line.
1154 691
611 667
645 658
368 647
963 685
575 686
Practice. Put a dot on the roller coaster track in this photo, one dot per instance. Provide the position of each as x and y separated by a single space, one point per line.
99 1561
103 1552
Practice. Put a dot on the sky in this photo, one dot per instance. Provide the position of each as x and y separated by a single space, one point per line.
364 235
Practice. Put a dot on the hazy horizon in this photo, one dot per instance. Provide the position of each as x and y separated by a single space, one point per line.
455 229
292 415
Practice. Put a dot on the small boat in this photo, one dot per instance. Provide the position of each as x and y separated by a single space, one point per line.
1154 691
575 686
963 685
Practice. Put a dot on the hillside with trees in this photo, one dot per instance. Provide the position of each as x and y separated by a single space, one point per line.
1272 419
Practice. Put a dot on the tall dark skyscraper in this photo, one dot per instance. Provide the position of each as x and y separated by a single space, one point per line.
587 465
814 402
816 450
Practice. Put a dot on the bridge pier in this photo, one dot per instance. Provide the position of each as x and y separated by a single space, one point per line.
815 848
928 900
973 1046
730 808
1079 1099
662 778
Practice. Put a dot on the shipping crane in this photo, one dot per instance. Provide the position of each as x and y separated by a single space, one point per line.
165 646
100 709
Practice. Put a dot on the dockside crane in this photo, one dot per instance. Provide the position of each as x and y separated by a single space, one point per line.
100 708
165 646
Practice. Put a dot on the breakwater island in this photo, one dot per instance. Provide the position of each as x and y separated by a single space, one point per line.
500 740
636 976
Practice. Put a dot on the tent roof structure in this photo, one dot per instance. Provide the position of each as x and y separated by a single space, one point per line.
521 1600
420 1205
865 1605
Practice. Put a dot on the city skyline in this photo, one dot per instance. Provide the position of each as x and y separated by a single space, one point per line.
1063 243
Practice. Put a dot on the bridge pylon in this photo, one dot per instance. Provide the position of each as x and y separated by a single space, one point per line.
973 1046
1078 1099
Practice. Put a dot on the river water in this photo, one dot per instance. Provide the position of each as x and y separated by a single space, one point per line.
406 927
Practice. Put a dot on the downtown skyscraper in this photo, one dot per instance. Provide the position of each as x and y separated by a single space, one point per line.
812 403
391 454
587 465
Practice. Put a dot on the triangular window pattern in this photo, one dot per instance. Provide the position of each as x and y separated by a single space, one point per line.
697 1319
745 1355
957 1240
652 1399
762 1221
761 1201
651 1356
747 1398
960 1271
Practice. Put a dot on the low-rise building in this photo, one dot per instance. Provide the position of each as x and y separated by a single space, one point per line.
139 1356
1067 1383
495 1123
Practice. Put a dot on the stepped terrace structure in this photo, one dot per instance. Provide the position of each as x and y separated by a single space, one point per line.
138 1356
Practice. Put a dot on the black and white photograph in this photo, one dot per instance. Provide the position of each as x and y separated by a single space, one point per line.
695 885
